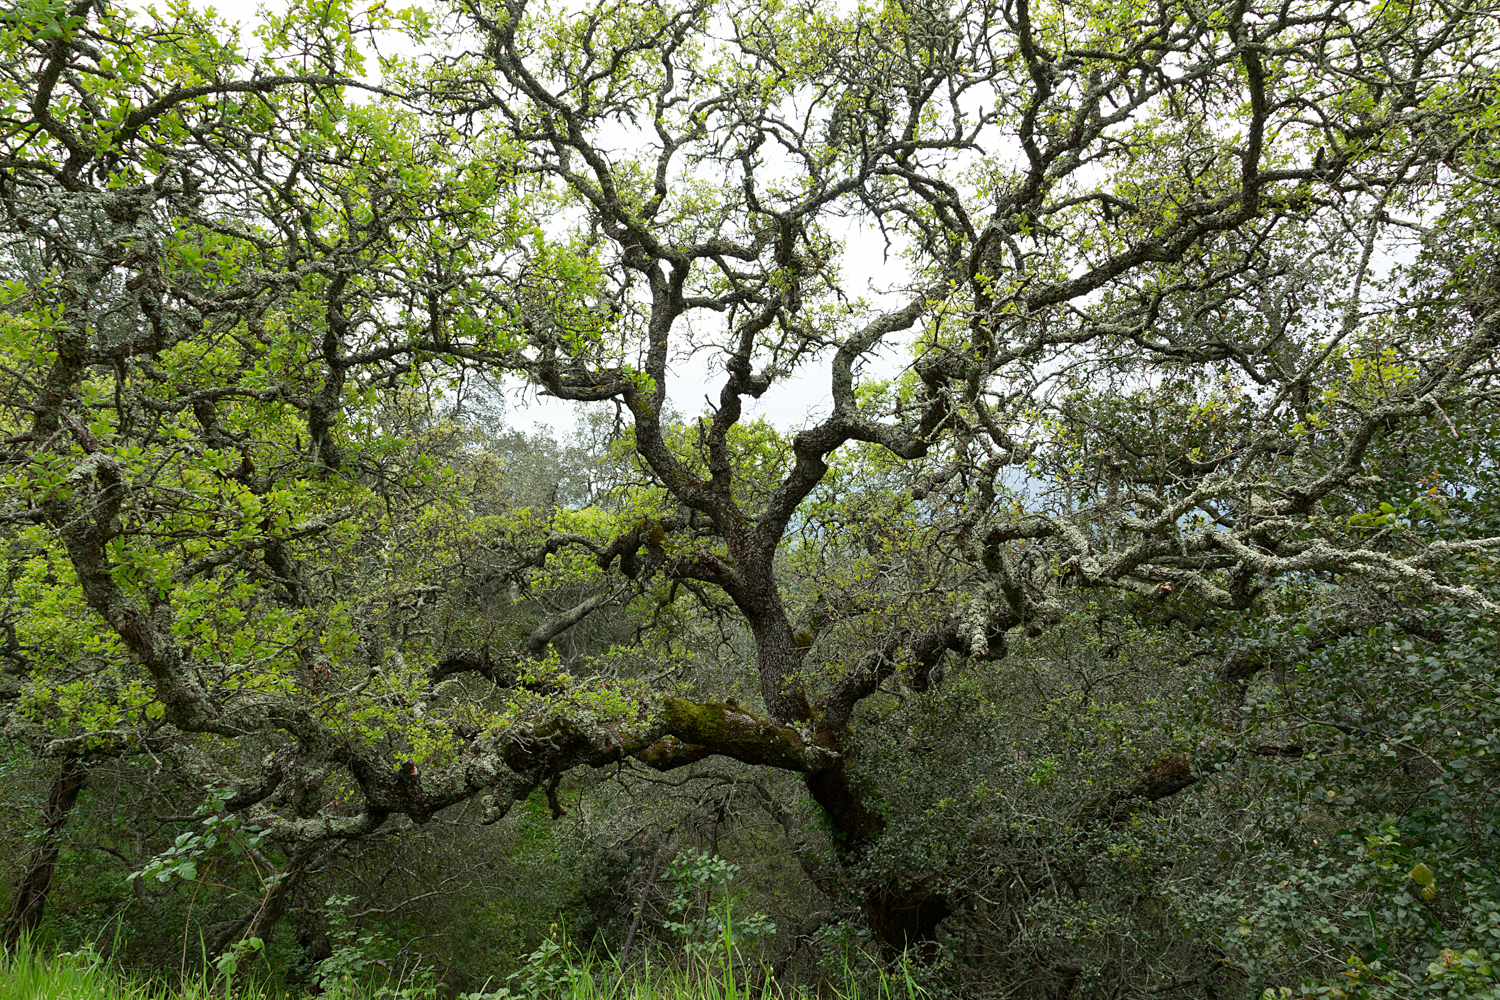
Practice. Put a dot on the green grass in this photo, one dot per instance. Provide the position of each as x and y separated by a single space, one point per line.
569 975
27 975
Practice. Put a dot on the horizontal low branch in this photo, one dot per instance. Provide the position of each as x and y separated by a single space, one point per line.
696 731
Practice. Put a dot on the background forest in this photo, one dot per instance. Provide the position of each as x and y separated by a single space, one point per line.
1121 624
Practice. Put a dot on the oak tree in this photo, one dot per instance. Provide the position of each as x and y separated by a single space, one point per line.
1167 284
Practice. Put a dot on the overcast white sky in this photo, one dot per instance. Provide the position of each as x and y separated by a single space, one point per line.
788 405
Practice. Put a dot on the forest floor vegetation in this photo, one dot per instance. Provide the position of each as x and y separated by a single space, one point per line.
567 974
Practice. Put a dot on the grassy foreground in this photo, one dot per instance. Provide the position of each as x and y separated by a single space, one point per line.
28 975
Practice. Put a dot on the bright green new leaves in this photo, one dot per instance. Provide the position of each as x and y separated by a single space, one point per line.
244 287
